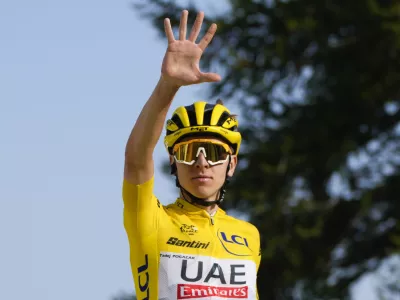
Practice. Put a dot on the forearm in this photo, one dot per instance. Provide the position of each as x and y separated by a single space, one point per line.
149 125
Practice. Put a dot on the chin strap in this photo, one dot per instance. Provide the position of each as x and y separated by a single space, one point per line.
202 201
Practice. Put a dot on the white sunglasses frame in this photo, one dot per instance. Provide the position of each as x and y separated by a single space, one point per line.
201 149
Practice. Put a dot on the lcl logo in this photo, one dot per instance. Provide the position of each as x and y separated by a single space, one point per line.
237 239
234 244
144 272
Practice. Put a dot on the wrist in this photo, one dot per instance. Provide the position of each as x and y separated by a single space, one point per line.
167 84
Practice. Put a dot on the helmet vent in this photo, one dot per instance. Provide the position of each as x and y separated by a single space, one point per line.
192 115
223 118
207 114
177 121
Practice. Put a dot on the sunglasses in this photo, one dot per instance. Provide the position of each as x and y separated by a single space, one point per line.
215 152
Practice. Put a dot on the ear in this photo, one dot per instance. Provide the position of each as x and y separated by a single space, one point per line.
232 165
172 164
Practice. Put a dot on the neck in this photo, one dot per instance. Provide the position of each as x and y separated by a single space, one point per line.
210 209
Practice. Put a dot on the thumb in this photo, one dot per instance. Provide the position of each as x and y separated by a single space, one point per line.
210 77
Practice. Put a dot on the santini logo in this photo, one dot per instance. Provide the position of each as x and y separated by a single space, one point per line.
188 244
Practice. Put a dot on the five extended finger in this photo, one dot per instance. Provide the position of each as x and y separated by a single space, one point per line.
208 36
168 30
196 27
183 25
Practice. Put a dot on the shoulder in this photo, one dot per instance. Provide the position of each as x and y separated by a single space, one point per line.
243 225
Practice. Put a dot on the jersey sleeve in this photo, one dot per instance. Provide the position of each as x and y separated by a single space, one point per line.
142 213
141 207
258 257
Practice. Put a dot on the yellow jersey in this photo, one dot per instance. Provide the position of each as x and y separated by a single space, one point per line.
179 251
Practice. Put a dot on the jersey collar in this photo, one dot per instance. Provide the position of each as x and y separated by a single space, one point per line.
193 209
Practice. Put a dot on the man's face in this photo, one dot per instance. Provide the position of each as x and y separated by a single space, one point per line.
202 179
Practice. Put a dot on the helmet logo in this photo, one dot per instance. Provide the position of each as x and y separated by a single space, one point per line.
229 120
199 129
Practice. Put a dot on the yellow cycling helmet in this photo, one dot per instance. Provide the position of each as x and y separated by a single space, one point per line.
202 118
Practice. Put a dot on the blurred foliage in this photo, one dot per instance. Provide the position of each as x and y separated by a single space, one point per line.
318 85
388 279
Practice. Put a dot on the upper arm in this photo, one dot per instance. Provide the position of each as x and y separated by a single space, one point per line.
139 173
142 216
141 207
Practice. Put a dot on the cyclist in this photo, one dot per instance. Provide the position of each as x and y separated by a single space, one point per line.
190 249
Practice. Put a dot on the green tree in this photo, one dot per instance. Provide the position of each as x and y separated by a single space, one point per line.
318 86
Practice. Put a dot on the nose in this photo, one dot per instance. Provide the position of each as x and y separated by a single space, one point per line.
201 161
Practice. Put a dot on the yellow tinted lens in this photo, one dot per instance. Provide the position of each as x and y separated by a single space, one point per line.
184 153
214 152
188 152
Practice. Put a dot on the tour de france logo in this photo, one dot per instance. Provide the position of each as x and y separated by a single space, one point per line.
189 229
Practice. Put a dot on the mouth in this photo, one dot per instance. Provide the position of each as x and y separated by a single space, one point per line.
202 178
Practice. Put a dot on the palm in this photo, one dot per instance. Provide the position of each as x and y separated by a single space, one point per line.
182 59
181 62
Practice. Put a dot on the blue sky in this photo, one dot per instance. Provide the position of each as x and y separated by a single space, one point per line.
74 76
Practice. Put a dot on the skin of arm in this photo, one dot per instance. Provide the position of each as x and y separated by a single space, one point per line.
139 164
180 67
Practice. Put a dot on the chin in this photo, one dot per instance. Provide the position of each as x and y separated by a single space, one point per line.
203 192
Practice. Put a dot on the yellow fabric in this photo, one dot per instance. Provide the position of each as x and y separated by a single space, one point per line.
199 109
179 251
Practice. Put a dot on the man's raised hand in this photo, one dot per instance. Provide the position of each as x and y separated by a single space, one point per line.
182 59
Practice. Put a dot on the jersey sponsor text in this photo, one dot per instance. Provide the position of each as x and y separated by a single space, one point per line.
216 271
144 283
189 244
196 291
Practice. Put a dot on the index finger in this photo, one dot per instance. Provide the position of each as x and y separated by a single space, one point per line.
168 30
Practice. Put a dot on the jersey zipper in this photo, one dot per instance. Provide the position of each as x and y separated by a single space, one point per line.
213 231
